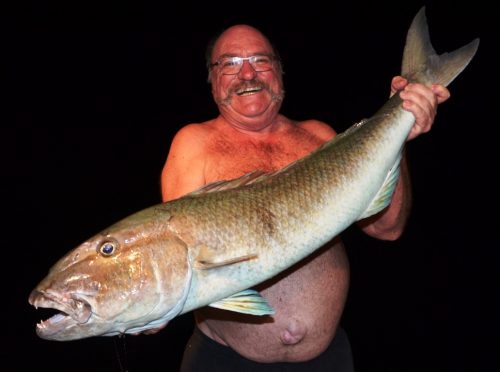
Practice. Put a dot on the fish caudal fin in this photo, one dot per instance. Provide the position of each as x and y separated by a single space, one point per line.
422 64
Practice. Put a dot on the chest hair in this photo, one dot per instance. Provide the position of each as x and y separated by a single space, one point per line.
228 159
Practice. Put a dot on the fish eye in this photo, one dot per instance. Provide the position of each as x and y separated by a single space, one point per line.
108 248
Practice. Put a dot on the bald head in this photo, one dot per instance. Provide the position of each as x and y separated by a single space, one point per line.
240 40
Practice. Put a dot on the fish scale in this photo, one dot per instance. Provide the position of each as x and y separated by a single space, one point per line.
323 185
209 247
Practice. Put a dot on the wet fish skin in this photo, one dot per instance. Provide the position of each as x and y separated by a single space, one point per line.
207 246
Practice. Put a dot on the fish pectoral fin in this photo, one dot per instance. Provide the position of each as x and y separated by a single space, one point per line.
246 302
208 259
384 195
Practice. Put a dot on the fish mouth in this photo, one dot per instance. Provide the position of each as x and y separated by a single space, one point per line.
74 311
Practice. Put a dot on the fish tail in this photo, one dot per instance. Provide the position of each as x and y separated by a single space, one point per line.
422 64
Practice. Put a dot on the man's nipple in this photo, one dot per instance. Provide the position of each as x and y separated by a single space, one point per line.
294 332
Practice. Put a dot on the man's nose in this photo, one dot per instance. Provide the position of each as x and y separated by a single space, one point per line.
247 71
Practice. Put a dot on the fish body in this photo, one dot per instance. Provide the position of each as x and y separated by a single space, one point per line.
210 246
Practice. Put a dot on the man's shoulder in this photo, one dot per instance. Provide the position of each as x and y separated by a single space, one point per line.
197 128
194 132
317 128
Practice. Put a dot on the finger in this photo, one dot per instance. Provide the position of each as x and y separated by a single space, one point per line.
422 116
422 105
398 83
418 104
152 331
441 92
424 92
423 96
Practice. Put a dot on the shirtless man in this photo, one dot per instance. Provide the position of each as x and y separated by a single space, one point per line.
251 134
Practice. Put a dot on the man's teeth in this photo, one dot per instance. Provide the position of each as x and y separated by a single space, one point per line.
248 91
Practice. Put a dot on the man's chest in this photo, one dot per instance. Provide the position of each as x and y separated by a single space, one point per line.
231 160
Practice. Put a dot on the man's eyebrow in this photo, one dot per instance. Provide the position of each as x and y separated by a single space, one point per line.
229 55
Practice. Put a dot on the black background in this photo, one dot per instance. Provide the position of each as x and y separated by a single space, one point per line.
97 92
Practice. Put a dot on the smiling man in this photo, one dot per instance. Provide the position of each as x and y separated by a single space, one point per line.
250 134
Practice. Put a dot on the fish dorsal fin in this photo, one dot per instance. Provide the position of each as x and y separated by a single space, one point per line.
384 194
259 175
246 179
208 259
246 302
353 128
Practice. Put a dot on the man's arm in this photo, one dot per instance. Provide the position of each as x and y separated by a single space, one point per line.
422 101
182 172
184 169
389 224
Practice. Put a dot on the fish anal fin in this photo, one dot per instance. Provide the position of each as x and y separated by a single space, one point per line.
246 302
384 195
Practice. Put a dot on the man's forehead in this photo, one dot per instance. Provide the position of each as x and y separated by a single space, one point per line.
241 38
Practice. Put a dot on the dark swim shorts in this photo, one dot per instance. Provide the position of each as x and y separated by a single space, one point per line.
203 354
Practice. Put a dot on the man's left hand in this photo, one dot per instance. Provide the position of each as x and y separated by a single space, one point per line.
421 101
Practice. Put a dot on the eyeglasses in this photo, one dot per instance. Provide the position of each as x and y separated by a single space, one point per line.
232 65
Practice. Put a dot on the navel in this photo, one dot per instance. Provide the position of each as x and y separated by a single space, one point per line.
294 332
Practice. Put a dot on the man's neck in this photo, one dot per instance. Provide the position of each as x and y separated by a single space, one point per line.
253 128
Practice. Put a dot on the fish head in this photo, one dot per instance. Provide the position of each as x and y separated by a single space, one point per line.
129 278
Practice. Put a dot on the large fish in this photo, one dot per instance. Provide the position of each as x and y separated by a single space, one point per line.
209 247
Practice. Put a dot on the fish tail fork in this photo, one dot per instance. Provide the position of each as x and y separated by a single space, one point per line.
421 63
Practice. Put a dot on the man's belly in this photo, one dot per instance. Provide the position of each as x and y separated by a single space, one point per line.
308 300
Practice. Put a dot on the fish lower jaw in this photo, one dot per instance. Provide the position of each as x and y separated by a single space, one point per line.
73 312
49 328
